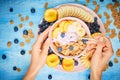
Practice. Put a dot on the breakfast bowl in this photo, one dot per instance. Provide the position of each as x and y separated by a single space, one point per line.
69 36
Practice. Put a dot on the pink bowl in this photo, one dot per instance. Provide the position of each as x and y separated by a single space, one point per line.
73 19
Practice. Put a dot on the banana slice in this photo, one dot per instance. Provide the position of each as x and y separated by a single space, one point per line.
55 32
66 25
81 32
76 12
61 26
85 61
76 26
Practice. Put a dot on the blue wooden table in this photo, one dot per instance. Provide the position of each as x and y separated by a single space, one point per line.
17 16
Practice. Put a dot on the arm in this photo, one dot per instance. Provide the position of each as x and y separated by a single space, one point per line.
38 55
100 58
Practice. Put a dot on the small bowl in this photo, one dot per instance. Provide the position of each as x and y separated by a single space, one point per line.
73 19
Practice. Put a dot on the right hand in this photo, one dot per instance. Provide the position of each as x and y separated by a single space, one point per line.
100 57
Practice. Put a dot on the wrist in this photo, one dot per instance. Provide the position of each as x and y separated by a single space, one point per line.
95 75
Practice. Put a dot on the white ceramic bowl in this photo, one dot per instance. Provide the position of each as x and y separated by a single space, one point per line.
73 19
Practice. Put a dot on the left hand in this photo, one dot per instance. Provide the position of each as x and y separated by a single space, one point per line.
39 55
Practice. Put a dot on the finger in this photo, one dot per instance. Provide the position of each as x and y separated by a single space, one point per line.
99 48
92 46
46 47
108 42
41 38
90 53
90 42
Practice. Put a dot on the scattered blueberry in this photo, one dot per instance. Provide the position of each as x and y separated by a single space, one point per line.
15 29
25 32
11 9
59 49
14 68
76 63
49 76
16 41
110 64
22 52
39 32
101 0
71 47
84 41
114 0
62 35
3 56
32 10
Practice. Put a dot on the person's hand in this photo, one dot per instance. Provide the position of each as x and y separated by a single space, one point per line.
38 55
100 57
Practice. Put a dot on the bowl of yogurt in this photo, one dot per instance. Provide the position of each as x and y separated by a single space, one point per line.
68 37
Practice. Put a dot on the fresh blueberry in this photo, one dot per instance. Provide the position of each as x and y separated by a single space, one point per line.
51 24
32 10
3 56
95 19
84 41
42 23
14 68
39 32
101 0
15 29
62 35
22 52
49 76
76 63
59 49
110 64
71 47
114 0
25 32
16 41
11 9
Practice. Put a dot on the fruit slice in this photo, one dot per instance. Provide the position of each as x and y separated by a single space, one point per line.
55 32
85 60
68 64
66 25
81 32
97 34
50 15
52 60
76 25
61 25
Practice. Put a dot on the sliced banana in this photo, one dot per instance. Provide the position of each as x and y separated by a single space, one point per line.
85 61
74 11
55 32
81 32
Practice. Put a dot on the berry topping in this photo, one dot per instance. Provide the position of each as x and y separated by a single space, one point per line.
71 48
59 49
62 35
